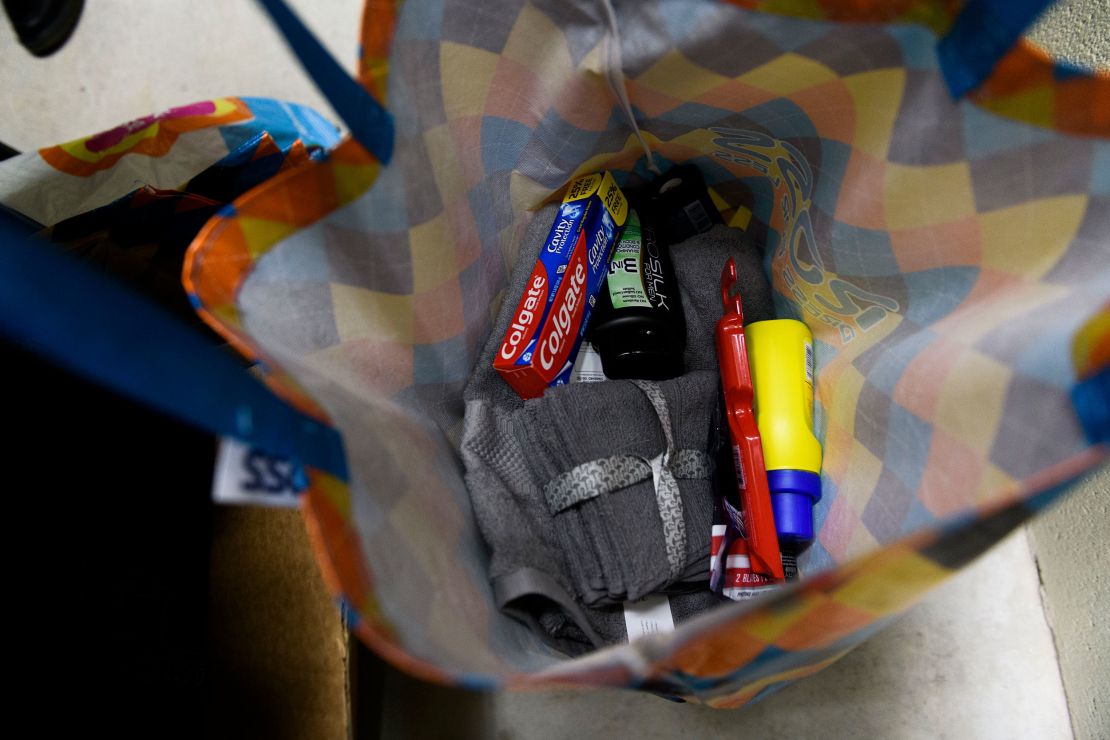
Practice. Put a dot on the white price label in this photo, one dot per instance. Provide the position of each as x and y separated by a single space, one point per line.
248 476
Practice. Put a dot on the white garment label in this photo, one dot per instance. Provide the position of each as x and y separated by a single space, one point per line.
248 476
648 616
587 366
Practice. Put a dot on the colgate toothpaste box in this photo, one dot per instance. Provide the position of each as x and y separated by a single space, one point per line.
541 343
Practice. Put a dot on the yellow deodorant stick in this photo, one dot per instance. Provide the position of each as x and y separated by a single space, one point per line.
780 353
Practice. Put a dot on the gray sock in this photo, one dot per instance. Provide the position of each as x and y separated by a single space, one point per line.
698 262
582 423
692 401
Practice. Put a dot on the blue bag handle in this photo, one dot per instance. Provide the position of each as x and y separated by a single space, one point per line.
983 32
369 123
89 322
1091 398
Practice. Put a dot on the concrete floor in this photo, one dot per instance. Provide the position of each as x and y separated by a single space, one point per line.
974 660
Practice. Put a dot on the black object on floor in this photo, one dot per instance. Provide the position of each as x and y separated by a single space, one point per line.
43 26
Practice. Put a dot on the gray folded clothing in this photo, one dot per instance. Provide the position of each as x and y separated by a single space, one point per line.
509 508
612 530
698 262
557 571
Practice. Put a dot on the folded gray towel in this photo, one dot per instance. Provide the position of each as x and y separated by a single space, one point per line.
588 446
547 568
698 262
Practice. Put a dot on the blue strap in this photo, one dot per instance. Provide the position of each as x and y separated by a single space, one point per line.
91 323
369 123
1092 404
982 34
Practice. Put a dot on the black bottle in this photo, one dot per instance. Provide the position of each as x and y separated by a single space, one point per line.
637 325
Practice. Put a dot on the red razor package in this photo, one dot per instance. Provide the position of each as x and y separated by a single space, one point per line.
755 519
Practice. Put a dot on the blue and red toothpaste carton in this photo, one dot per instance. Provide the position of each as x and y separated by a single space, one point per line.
542 341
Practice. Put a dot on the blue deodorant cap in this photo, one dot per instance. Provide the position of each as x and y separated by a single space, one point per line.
793 494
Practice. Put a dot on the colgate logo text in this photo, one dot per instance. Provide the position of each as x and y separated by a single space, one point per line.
562 318
522 327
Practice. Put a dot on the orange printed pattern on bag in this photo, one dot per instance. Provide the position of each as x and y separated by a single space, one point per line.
152 136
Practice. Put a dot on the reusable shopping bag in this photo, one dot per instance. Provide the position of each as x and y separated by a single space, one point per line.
934 202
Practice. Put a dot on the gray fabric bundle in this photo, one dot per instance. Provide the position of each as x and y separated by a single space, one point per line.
565 572
698 262
508 506
615 543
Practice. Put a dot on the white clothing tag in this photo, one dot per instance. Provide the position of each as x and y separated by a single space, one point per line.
648 616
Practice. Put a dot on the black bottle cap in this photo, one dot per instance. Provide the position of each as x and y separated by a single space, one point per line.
682 204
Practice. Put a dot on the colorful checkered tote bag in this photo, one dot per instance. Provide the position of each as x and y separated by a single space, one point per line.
933 195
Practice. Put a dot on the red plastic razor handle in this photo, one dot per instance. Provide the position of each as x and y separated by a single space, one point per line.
747 449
